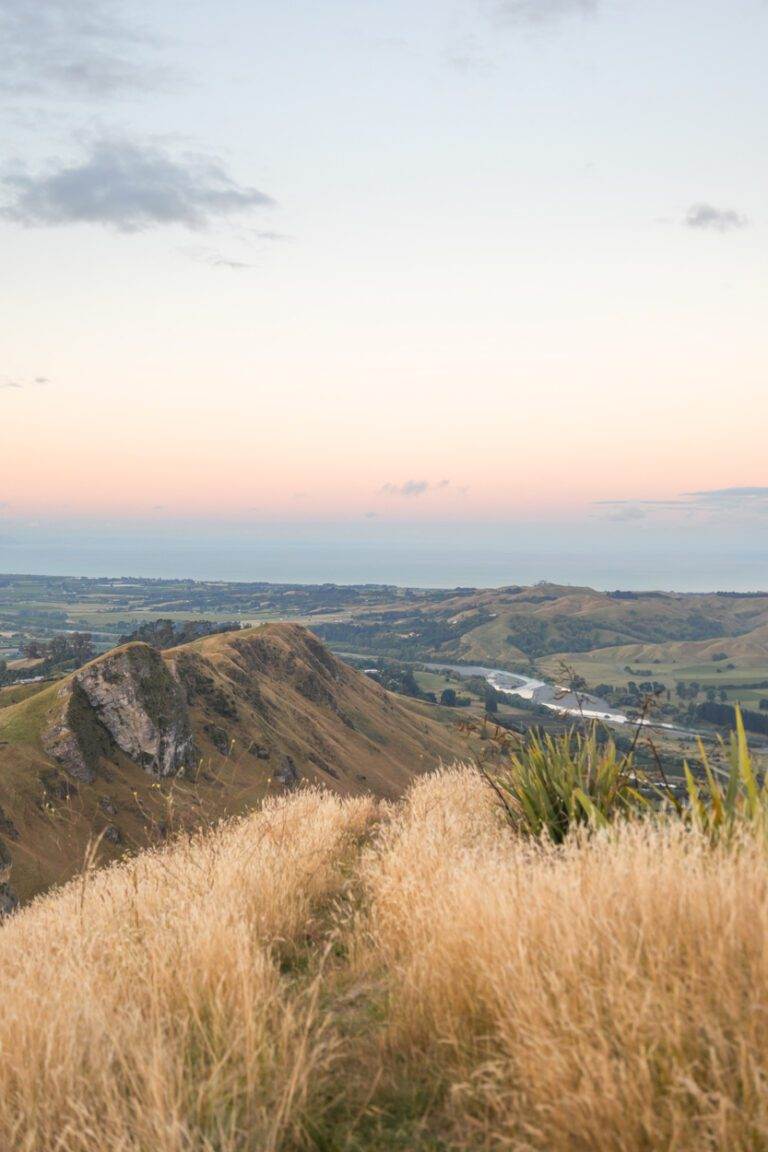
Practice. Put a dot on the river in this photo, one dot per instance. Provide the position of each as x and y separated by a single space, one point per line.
548 695
553 696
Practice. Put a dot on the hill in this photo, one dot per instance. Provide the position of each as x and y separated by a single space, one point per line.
137 743
507 625
727 658
331 973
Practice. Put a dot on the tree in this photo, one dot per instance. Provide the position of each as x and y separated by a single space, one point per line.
491 704
82 647
448 697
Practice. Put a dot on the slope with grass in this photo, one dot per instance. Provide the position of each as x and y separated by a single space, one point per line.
724 660
333 973
507 626
137 742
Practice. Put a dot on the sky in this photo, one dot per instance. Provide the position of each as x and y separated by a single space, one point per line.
384 260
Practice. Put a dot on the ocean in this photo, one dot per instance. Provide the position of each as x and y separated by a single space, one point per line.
418 555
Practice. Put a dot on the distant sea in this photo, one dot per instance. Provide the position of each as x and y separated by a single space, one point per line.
439 556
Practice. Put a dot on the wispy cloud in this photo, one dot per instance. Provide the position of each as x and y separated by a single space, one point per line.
80 48
735 502
23 382
272 237
413 488
408 489
467 54
216 259
627 514
130 187
708 218
730 494
538 12
730 501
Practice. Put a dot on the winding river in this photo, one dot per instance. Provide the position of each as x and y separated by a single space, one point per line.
548 695
552 696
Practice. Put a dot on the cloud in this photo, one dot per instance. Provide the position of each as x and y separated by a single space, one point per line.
730 494
627 514
388 43
81 48
215 259
273 237
708 218
409 489
130 187
671 503
539 12
28 382
732 502
218 261
467 54
412 488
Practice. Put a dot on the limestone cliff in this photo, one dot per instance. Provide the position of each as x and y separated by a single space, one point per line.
130 700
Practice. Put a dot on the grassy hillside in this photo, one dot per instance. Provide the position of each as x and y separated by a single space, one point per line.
729 662
548 618
334 974
266 709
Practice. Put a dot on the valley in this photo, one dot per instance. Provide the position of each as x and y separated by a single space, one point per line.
688 649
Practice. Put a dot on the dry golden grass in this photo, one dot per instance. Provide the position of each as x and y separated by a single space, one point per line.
609 994
144 1008
329 975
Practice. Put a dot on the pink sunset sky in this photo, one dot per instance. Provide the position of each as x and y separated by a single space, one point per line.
505 261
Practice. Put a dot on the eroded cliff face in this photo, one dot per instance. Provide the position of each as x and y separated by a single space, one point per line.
128 699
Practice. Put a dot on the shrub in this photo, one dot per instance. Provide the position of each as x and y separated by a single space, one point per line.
555 782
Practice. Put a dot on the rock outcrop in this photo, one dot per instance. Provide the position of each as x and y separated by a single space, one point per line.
8 901
130 700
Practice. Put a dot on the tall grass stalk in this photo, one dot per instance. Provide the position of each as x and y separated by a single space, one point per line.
727 799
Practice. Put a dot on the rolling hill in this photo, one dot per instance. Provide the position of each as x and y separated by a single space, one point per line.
138 743
514 627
